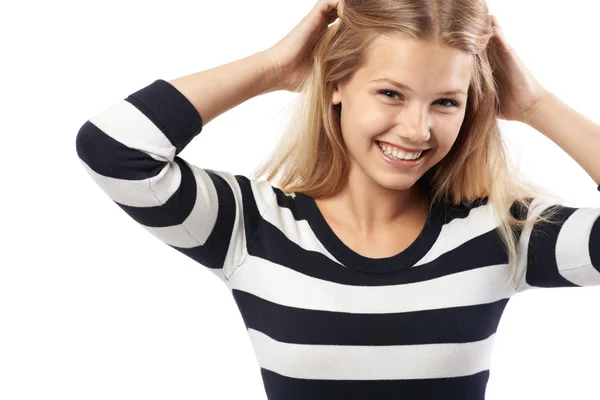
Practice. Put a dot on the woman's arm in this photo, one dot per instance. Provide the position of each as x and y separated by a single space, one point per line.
216 90
573 132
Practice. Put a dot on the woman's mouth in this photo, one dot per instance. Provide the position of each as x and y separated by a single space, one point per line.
403 163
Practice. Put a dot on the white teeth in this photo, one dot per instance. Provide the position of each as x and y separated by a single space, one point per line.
399 154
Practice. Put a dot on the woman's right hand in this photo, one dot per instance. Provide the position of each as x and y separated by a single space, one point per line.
290 57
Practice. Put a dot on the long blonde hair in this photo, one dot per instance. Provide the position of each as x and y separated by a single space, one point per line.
310 156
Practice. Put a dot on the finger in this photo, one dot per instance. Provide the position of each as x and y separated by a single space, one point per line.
331 7
499 36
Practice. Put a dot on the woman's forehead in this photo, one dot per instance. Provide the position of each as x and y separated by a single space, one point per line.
415 64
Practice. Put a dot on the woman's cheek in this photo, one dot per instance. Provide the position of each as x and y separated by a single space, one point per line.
373 120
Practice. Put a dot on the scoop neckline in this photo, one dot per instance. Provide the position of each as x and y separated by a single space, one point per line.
401 261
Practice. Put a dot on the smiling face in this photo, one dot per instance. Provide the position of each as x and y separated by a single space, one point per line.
415 115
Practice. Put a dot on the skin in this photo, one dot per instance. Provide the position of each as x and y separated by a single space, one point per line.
385 204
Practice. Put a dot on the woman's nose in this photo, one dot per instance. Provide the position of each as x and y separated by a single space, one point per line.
414 124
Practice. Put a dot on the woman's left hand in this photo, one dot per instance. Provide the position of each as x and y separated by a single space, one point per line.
518 90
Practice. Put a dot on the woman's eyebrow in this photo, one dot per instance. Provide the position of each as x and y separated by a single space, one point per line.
406 87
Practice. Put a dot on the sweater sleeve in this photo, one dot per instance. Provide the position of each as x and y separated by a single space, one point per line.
563 253
131 149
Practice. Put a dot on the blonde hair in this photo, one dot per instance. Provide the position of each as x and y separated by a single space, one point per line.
310 156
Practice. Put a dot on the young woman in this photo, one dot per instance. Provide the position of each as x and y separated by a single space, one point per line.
376 258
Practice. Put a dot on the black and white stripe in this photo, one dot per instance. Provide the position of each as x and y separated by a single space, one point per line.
325 322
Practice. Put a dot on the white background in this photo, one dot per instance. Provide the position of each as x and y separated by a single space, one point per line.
94 307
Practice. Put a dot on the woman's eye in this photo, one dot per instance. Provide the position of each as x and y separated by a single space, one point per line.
387 93
452 102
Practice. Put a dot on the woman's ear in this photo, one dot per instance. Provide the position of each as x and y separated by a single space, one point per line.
336 98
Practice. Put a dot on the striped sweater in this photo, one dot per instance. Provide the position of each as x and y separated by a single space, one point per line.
324 321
